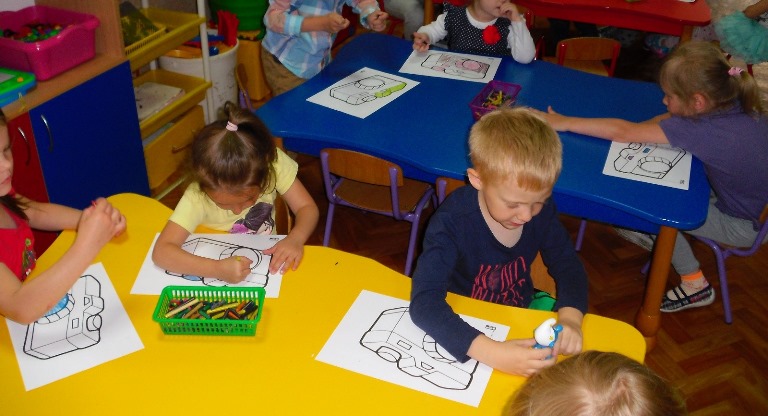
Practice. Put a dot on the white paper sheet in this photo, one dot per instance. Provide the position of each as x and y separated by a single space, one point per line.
452 65
152 279
658 164
377 338
91 329
363 92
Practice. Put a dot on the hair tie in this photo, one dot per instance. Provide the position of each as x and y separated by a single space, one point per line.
231 126
735 70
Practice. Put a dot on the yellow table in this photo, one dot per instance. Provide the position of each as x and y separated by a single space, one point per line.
274 372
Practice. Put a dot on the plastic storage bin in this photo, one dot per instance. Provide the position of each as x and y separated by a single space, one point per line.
222 75
250 13
494 95
75 44
186 326
14 84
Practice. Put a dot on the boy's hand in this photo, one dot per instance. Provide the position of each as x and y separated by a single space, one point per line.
286 254
514 356
100 223
234 269
377 20
335 22
569 341
420 42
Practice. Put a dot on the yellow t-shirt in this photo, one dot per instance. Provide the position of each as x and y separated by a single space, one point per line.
195 208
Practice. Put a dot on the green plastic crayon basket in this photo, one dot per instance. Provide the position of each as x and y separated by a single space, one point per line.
185 326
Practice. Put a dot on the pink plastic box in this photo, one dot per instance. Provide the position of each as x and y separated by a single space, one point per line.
75 44
488 99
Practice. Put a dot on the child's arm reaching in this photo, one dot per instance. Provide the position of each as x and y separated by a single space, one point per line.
169 255
429 34
288 252
51 217
420 42
514 356
614 129
96 226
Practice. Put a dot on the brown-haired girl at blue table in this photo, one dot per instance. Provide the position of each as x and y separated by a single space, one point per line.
487 27
26 302
237 173
714 112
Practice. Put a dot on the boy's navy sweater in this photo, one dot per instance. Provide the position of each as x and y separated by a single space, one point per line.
462 256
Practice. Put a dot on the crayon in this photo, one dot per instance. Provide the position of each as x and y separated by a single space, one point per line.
181 307
222 307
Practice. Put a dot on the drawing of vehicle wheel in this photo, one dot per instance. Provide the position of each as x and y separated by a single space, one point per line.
654 165
254 255
389 354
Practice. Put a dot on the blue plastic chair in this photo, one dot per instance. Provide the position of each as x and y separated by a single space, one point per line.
723 251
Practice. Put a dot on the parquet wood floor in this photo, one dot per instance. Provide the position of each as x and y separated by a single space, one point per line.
721 369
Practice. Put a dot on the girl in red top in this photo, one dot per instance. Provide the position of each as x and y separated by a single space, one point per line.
96 225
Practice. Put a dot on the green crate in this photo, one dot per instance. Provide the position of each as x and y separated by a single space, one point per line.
250 13
179 326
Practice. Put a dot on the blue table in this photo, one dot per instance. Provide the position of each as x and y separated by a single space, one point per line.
426 130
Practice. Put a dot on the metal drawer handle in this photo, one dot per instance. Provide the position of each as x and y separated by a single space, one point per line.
26 142
50 134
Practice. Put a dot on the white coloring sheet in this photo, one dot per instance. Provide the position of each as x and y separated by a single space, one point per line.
658 164
363 92
443 64
153 279
377 338
87 328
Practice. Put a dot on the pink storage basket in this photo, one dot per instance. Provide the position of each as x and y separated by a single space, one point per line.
75 44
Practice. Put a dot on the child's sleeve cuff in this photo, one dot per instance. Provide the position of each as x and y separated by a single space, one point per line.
364 16
293 25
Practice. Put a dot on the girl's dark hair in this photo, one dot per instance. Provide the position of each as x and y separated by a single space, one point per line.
232 160
11 202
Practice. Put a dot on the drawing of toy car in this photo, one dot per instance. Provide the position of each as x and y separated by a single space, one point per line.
653 161
74 325
395 338
218 250
454 65
366 89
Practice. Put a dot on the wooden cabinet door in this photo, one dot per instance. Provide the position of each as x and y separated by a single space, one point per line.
89 141
27 174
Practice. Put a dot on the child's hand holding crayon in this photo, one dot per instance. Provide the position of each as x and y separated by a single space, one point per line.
234 269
